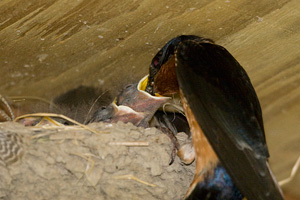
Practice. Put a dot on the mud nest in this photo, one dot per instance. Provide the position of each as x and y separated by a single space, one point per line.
72 163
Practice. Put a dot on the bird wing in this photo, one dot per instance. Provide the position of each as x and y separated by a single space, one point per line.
224 102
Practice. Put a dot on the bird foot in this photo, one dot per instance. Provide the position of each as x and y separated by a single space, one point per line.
182 146
174 141
186 151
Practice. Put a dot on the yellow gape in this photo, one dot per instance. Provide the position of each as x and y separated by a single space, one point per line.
143 84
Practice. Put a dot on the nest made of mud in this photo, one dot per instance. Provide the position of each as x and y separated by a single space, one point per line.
72 163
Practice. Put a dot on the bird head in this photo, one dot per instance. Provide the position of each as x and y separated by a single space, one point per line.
135 97
162 78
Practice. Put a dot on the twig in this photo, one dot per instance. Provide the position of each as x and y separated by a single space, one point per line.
8 107
15 98
40 135
131 143
50 120
131 177
177 108
89 167
5 116
91 162
59 116
293 173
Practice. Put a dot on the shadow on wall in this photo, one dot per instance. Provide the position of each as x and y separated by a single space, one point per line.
78 104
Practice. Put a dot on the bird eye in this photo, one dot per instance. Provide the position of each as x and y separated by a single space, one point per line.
155 62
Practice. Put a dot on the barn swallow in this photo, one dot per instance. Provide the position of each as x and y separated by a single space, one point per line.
224 115
131 105
140 108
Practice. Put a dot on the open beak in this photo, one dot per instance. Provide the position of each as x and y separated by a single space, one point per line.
172 105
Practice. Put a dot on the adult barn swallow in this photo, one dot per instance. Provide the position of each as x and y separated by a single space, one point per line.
224 115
